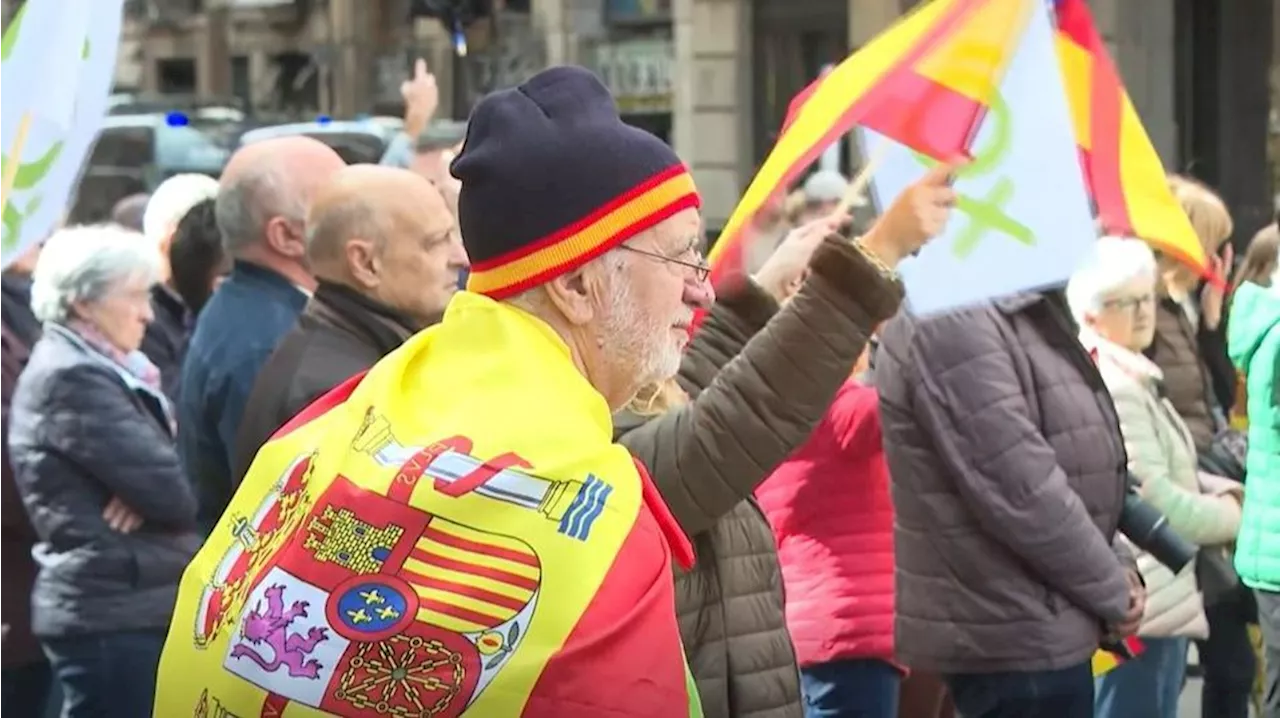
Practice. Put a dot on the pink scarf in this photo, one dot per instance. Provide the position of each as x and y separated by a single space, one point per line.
135 362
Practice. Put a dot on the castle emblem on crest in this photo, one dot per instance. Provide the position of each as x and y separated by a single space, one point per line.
337 536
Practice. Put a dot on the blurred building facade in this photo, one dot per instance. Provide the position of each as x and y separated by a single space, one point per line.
713 77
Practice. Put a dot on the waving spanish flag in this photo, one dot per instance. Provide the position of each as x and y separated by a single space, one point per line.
452 534
1121 167
925 82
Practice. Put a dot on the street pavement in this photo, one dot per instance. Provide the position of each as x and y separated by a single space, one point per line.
1189 704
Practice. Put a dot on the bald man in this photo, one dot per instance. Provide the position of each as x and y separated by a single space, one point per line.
385 250
261 207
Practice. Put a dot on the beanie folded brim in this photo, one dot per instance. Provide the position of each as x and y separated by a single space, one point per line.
627 215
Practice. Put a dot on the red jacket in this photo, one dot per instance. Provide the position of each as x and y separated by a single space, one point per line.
831 513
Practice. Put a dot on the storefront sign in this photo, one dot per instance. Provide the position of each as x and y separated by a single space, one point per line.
638 73
637 11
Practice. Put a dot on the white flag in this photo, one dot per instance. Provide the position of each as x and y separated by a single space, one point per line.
1023 220
59 59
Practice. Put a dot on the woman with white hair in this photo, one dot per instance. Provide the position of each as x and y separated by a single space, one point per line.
1113 296
92 446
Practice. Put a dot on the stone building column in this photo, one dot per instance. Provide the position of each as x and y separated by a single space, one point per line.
711 114
553 16
353 33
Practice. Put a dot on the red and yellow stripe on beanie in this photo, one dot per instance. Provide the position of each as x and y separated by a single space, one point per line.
552 178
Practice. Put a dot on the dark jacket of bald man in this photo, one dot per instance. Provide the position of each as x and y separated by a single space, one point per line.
340 334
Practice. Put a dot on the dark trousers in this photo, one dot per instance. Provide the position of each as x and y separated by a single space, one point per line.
1065 693
1269 620
25 689
855 688
1227 661
107 675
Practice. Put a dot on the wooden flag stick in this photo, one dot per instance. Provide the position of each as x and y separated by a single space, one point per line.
858 187
14 160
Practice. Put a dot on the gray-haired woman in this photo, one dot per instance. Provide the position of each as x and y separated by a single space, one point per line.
91 442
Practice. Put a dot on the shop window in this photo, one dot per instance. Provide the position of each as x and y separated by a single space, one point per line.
176 76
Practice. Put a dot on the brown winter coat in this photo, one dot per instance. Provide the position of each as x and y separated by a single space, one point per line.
1007 470
759 380
339 334
1176 350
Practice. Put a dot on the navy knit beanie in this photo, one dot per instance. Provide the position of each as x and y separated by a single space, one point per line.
553 178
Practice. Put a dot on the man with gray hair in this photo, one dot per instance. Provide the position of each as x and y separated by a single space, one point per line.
386 254
166 339
261 206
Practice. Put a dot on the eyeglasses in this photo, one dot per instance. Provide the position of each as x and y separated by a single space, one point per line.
1130 304
701 270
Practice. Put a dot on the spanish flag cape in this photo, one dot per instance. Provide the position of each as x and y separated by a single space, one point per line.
451 534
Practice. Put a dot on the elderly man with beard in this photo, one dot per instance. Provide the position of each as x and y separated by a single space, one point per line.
386 255
474 468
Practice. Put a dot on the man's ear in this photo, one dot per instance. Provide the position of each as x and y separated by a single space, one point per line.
286 238
363 262
578 294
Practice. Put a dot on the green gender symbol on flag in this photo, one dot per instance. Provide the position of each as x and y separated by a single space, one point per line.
987 213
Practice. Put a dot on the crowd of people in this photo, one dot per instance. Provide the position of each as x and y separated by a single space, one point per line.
889 514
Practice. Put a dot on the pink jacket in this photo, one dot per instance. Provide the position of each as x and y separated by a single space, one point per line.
832 516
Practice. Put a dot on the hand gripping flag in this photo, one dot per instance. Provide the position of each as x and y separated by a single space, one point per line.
452 534
926 82
1121 167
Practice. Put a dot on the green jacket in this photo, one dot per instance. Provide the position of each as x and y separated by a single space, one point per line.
1253 341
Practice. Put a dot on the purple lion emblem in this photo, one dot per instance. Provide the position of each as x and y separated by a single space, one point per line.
272 628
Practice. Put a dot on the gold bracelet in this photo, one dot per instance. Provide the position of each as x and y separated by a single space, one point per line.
885 270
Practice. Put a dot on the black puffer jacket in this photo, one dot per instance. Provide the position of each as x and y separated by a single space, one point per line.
80 435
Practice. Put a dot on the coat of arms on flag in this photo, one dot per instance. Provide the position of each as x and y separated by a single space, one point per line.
376 605
403 549
257 536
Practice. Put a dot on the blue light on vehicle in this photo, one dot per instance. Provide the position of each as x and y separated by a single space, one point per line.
323 120
176 119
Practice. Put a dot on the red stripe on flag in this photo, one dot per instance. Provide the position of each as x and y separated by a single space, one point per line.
946 23
796 102
630 615
273 706
922 113
476 547
480 594
451 564
465 614
1104 147
1101 162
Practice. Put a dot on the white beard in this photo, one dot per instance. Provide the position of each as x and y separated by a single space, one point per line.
643 345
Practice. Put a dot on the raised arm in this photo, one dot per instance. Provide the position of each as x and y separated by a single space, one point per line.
709 454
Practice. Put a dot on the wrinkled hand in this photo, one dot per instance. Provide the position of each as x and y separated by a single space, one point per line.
1214 294
1137 605
120 517
787 267
421 99
916 216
